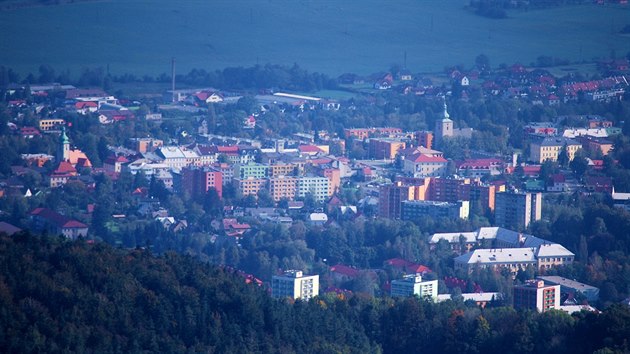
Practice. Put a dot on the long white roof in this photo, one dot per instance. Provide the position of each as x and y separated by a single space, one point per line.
498 256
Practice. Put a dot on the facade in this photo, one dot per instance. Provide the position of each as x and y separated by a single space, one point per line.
509 249
412 284
384 148
249 186
364 133
252 169
434 189
549 148
535 295
51 124
391 198
293 284
418 209
425 138
318 187
283 187
425 165
282 169
517 210
198 180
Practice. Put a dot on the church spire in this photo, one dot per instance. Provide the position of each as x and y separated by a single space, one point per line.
446 115
63 152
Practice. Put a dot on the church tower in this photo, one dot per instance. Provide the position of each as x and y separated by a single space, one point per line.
63 150
444 126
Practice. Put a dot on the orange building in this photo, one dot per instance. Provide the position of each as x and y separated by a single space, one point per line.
385 148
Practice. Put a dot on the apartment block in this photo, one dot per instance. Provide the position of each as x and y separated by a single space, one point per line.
418 209
249 186
283 187
252 169
517 210
535 295
412 284
197 181
319 187
384 148
295 285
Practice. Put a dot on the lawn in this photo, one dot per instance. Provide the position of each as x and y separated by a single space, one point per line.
141 37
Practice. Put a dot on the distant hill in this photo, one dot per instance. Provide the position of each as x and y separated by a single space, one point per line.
332 37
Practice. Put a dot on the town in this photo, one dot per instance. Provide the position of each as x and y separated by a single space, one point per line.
307 195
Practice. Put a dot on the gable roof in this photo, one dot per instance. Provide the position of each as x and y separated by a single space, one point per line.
57 219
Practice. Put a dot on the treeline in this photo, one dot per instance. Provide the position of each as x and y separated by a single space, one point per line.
60 296
235 78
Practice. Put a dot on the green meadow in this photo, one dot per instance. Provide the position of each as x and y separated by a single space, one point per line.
329 36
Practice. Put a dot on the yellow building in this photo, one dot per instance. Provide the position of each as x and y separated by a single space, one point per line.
51 124
549 149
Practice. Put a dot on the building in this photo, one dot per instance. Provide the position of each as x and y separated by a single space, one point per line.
418 209
196 181
481 299
449 190
412 284
443 127
568 286
251 169
391 197
249 186
45 219
293 284
49 124
549 148
283 187
514 259
143 145
535 295
516 253
384 148
517 210
318 187
364 133
424 138
177 157
422 162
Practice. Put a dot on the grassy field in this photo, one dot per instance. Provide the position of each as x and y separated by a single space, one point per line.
330 36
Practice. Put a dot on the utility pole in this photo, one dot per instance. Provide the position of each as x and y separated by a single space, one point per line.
173 77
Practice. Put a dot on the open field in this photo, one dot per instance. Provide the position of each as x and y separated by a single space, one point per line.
330 36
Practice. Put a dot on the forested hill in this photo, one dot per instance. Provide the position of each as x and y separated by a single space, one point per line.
57 295
70 296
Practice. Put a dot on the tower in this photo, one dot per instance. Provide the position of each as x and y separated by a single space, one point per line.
444 126
63 150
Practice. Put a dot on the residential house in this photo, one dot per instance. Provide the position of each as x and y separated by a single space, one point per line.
45 219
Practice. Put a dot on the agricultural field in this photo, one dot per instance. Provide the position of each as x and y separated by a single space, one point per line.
333 37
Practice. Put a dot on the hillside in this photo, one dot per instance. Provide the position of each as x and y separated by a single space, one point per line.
60 296
332 37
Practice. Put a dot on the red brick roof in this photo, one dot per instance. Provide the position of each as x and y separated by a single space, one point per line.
345 270
57 219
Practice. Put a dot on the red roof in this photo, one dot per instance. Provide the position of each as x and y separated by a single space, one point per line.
422 158
480 163
57 219
309 148
345 270
407 265
64 167
81 105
